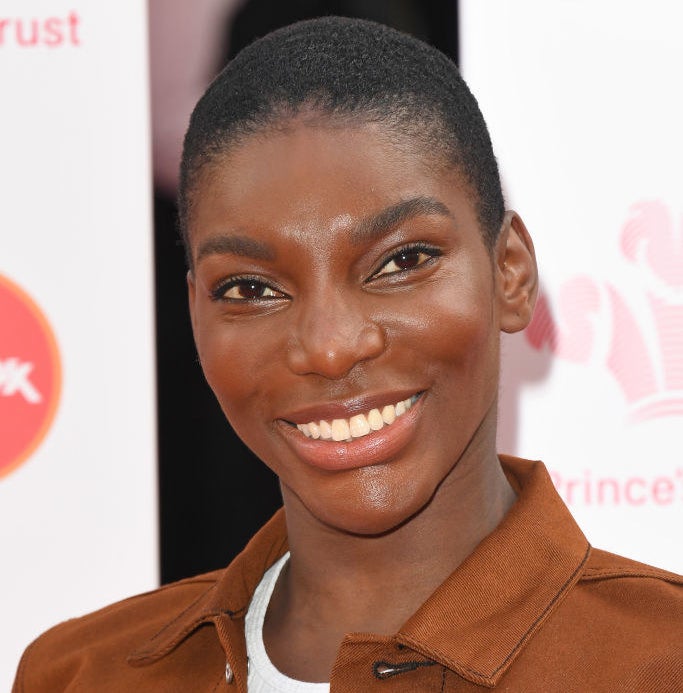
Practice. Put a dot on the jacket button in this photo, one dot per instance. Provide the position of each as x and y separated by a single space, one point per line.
229 676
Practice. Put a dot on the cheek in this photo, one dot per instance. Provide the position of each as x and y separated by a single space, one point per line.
451 323
235 363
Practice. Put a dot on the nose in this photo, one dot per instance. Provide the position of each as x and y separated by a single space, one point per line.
331 335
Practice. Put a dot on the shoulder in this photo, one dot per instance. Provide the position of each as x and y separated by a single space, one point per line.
620 598
627 579
168 639
619 627
603 565
109 634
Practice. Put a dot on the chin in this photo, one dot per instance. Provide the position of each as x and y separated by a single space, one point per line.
372 516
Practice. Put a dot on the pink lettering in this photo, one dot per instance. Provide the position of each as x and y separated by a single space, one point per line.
663 491
628 488
21 31
608 483
74 26
3 24
611 491
51 32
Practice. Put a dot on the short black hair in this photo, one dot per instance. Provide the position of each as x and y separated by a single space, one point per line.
353 70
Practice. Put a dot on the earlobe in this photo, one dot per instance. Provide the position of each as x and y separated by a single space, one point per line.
516 274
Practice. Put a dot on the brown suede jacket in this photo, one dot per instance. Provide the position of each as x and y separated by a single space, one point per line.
534 608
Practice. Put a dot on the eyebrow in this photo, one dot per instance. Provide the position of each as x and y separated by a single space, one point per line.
235 245
368 229
396 214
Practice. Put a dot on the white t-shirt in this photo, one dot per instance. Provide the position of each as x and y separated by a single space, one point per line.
263 676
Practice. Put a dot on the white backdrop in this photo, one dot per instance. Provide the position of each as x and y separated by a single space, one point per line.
77 422
585 108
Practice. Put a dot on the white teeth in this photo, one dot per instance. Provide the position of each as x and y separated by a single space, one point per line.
389 414
358 425
340 430
375 419
325 430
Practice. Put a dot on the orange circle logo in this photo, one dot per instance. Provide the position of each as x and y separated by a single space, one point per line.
30 376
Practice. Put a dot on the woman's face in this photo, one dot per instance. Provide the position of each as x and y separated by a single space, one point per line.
337 275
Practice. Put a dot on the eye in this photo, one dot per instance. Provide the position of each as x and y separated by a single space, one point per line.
245 289
407 259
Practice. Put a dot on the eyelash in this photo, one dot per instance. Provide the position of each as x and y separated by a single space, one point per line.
410 249
219 293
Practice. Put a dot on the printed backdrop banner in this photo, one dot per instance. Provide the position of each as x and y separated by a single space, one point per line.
585 112
77 422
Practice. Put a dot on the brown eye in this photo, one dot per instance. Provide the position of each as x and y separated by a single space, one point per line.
406 259
246 290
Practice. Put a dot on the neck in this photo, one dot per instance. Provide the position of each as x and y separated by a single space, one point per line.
349 574
337 582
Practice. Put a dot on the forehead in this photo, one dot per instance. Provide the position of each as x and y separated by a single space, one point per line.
319 174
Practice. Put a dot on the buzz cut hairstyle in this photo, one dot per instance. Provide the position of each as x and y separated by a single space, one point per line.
350 71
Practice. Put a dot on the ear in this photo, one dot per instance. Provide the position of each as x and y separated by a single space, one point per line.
516 274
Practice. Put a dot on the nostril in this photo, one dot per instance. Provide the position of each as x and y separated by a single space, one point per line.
334 350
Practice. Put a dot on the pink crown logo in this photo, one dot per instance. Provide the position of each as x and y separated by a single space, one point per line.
639 341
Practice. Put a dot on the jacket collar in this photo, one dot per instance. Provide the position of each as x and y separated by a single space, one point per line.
477 621
228 596
480 618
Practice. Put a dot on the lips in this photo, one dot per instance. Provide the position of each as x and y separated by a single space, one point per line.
357 433
358 425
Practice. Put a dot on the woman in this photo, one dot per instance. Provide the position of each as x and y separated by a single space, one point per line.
351 267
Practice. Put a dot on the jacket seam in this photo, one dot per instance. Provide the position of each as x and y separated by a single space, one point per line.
171 585
158 590
142 656
182 613
594 574
147 652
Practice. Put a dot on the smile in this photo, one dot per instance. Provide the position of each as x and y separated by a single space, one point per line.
358 425
359 433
